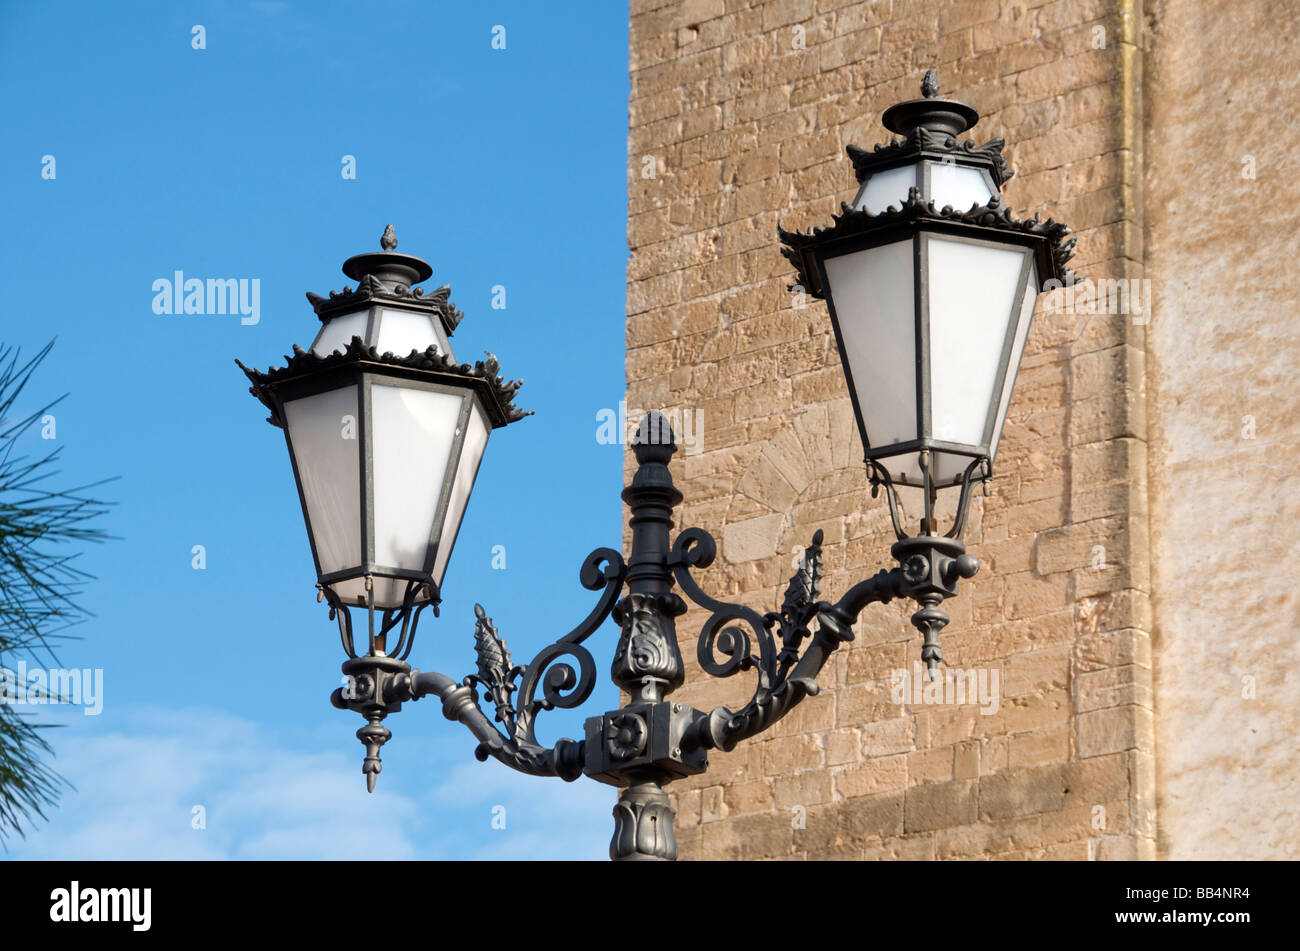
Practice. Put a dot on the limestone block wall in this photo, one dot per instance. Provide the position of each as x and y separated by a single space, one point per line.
739 114
1222 242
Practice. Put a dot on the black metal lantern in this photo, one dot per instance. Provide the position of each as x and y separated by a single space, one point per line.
930 304
385 432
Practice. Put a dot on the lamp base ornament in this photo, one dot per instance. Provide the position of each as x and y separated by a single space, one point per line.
643 826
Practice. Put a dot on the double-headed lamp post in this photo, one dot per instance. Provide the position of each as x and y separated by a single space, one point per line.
930 306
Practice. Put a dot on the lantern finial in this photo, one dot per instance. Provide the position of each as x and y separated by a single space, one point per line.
654 440
943 117
392 270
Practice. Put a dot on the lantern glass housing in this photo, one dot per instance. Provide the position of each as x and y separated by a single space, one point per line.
930 328
385 432
930 284
387 329
942 182
384 467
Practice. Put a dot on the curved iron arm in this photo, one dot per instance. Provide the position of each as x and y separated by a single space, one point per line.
379 684
460 704
561 686
783 679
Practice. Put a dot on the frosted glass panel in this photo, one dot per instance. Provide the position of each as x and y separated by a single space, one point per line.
958 186
944 467
388 594
873 297
353 591
1024 319
323 432
972 293
886 188
413 434
401 332
470 455
339 331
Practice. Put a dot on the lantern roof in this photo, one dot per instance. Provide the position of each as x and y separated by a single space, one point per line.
497 394
1051 238
930 127
388 277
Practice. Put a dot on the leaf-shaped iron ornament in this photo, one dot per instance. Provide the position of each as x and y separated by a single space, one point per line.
800 606
495 673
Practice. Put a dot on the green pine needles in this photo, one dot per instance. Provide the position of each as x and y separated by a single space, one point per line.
41 529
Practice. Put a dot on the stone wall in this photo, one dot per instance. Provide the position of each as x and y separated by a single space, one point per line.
739 115
1224 347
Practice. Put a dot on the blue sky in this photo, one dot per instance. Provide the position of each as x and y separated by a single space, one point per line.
500 167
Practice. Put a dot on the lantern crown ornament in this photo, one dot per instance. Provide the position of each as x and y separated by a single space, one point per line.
385 431
930 284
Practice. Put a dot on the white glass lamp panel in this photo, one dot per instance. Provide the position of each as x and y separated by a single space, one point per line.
1023 320
389 592
972 293
471 454
323 432
339 331
886 188
401 332
873 294
958 185
904 469
947 468
412 435
352 591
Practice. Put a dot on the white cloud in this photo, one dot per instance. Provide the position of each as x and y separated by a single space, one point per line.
139 775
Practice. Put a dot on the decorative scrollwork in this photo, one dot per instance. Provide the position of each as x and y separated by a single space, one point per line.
726 728
647 644
561 685
695 548
774 694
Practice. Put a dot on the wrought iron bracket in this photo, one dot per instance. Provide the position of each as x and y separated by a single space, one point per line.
650 741
643 737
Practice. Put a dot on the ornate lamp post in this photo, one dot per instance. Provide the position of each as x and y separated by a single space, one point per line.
930 308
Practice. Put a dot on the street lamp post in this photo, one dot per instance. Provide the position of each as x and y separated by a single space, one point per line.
930 307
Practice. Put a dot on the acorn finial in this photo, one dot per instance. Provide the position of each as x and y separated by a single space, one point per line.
389 240
930 84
